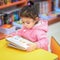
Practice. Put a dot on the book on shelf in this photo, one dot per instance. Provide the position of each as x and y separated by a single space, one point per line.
3 2
43 7
18 42
1 20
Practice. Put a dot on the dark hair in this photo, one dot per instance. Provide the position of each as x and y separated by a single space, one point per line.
31 11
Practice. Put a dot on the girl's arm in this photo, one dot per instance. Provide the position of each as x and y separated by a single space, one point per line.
42 40
18 32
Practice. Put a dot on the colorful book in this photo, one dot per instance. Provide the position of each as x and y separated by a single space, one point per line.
18 42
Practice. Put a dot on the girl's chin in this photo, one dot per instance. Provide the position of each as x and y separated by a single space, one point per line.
28 28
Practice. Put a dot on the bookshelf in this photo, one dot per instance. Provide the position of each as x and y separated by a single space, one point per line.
7 9
50 5
44 5
23 2
51 8
54 5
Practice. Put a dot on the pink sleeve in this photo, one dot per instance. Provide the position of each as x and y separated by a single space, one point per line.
42 41
44 25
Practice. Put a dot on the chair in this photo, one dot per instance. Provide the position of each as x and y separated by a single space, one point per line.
55 47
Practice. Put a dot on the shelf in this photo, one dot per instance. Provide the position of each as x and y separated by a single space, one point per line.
54 20
12 4
50 5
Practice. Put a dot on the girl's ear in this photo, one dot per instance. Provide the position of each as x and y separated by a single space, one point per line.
36 19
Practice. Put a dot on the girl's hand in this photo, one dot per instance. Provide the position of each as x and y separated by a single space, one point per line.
31 47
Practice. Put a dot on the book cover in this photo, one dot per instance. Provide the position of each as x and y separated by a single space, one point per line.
18 42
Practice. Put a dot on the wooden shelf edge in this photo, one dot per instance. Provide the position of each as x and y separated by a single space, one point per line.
12 4
52 21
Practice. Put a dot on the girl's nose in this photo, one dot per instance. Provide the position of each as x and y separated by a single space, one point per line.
25 24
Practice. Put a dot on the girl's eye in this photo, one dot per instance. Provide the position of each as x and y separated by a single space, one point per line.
23 22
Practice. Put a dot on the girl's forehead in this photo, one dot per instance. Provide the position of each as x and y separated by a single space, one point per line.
27 19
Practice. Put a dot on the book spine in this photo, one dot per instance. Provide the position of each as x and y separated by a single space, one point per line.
2 2
1 20
47 8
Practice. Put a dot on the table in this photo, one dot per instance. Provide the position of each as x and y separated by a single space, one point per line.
8 53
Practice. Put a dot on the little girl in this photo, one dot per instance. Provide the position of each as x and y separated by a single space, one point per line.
34 29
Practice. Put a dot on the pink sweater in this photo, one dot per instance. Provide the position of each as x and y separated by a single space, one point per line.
37 34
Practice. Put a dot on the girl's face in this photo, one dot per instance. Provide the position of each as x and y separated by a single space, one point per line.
28 22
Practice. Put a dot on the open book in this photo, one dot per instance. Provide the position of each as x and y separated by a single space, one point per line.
18 42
